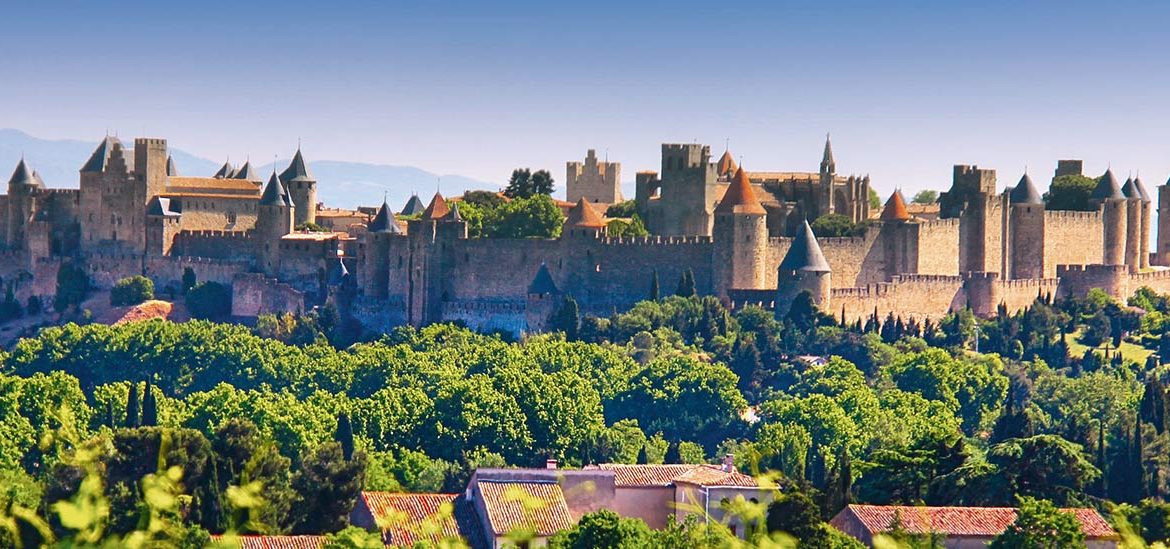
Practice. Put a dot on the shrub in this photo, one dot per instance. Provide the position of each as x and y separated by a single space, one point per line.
131 291
209 301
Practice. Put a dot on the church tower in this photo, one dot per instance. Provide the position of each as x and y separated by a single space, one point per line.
803 269
740 234
827 174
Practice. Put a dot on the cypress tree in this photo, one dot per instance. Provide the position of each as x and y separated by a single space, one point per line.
110 415
344 435
686 284
672 454
1137 466
1153 405
654 289
643 457
149 407
567 319
132 416
844 478
1101 463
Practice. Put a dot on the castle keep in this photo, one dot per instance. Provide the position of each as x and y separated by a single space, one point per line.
744 235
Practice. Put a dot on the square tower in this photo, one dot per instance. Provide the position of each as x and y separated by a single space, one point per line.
597 182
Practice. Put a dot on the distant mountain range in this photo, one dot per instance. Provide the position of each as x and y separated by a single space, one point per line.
339 184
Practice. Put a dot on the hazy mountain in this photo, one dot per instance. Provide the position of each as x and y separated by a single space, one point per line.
343 184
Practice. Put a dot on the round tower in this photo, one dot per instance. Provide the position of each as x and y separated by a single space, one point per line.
1026 231
803 269
1144 233
274 219
1114 216
377 263
740 234
543 299
1133 225
302 187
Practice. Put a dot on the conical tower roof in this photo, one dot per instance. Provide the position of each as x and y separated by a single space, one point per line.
414 206
297 170
338 273
226 171
1129 190
101 155
895 208
582 214
437 209
1107 188
23 176
542 283
726 166
1025 193
828 165
1137 182
272 192
805 254
172 171
247 172
384 221
739 197
454 214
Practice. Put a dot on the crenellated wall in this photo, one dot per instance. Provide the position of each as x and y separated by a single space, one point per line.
1072 238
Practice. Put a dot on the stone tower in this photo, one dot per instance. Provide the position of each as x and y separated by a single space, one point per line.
826 175
897 230
1144 233
274 219
740 236
594 181
428 264
377 260
1114 216
1133 225
302 186
1025 228
973 200
1162 255
21 204
543 299
687 189
803 269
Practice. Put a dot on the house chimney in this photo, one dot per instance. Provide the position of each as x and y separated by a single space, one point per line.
550 464
729 463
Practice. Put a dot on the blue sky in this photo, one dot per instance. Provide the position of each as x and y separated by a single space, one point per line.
906 88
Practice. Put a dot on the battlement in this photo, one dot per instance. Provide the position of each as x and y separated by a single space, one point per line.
1030 283
483 306
980 276
215 233
654 240
155 141
940 222
1073 215
1064 270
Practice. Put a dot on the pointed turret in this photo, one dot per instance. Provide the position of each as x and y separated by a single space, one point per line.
542 283
583 215
1107 188
22 176
437 208
726 166
101 156
272 192
225 172
384 221
297 170
1025 193
172 171
414 206
828 165
1128 190
1141 189
247 172
895 208
338 273
805 254
740 197
454 214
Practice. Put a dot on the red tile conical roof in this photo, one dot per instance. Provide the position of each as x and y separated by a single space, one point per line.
740 198
895 209
583 215
437 209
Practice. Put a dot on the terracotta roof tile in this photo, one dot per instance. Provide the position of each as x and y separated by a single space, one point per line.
740 198
437 209
958 521
666 475
726 166
895 208
276 542
711 475
583 215
536 506
411 518
182 184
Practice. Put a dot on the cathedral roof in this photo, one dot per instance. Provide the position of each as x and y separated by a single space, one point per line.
24 176
297 170
437 209
1141 189
226 171
1107 188
805 254
726 166
740 198
895 208
543 283
172 171
101 155
582 214
273 192
247 172
384 221
413 206
1025 192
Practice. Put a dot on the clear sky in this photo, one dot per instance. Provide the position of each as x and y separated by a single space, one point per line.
906 88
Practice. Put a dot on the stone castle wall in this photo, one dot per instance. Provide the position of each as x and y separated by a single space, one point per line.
938 244
215 244
488 315
908 296
254 294
1072 238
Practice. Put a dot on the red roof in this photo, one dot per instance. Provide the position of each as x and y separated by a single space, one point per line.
437 209
275 542
407 519
667 475
895 209
726 165
583 215
956 521
740 198
538 507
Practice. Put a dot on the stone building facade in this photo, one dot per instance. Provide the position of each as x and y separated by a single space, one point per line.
135 214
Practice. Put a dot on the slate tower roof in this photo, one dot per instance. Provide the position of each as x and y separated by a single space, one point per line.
805 254
1025 192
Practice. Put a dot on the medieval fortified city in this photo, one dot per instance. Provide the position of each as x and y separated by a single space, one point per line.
458 274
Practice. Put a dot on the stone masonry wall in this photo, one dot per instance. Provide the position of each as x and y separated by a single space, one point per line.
938 244
1072 238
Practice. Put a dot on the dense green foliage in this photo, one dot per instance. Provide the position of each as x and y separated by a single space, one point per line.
209 301
525 183
131 291
837 225
533 217
926 196
1070 192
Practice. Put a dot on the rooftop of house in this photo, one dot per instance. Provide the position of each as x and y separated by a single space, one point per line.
629 476
534 506
272 542
187 184
408 519
956 521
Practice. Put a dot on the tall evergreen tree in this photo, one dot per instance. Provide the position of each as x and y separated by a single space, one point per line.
1152 409
655 291
686 284
133 416
567 319
344 435
110 415
844 487
1101 485
672 454
643 457
1137 464
149 407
